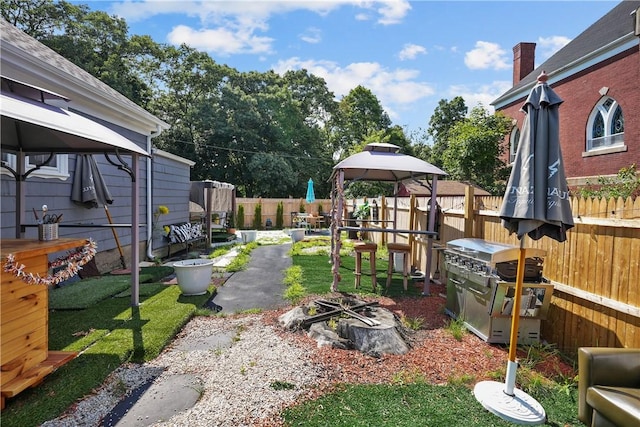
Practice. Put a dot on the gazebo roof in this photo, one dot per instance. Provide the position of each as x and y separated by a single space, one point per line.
382 162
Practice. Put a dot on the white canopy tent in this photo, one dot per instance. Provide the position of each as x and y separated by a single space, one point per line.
379 162
31 126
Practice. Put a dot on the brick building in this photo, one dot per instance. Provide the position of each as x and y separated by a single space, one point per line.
597 75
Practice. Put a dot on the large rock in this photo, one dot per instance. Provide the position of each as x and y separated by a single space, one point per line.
325 336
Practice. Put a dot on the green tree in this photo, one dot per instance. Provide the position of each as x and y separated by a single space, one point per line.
280 216
240 217
358 116
93 40
475 148
444 117
257 217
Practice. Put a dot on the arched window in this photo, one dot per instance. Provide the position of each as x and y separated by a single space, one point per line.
513 143
605 128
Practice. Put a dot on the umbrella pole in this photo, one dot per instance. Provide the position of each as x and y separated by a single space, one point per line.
512 365
115 236
503 399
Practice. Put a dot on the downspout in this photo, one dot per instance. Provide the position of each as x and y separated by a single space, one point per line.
149 195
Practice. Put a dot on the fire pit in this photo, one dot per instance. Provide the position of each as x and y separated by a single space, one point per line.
349 323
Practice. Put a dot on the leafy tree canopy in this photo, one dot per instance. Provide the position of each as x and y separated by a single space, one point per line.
474 150
444 117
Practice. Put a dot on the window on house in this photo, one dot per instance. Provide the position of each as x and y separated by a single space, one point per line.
57 168
605 129
513 144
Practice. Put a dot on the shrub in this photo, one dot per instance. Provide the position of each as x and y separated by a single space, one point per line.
257 217
240 219
625 184
280 216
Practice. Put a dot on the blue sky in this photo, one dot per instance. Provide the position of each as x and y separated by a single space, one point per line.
410 54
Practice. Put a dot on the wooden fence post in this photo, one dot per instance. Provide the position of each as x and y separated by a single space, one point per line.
468 211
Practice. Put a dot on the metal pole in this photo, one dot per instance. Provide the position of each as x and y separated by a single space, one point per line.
135 235
432 227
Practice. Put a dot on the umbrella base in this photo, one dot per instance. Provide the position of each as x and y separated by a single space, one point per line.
519 408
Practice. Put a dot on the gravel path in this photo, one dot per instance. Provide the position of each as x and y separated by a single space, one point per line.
244 384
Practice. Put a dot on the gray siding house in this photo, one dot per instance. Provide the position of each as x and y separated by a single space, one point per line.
162 179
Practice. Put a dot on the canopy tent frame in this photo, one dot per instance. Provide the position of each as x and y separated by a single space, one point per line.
380 162
30 126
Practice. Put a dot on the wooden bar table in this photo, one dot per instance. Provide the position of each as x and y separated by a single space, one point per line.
25 358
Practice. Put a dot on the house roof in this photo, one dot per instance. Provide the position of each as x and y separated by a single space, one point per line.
610 35
444 188
26 59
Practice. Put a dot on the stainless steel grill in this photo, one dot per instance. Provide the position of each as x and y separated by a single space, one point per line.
481 288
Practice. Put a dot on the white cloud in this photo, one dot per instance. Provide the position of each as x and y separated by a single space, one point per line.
395 89
238 23
212 11
487 55
392 11
411 51
222 41
483 94
312 35
547 46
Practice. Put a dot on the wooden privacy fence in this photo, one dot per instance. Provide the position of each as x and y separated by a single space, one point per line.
595 273
270 206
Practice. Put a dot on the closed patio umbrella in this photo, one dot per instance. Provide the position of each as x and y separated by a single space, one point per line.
536 203
311 196
90 190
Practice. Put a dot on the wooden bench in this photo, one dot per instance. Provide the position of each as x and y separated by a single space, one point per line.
185 233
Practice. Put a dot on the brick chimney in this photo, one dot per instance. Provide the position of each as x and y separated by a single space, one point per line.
524 55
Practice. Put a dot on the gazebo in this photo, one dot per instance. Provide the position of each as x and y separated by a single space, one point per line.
31 126
380 162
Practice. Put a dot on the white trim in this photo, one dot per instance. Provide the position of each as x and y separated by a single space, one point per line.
167 155
602 54
60 171
605 150
513 140
607 115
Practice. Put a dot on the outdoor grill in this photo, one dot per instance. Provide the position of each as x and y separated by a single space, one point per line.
481 286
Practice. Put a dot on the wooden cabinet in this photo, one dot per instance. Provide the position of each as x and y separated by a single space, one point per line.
24 309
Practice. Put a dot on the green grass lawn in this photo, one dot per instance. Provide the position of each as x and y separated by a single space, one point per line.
108 332
412 405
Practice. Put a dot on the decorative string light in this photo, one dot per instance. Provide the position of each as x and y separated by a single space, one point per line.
74 260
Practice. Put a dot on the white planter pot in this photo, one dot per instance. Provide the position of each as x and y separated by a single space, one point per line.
249 236
297 234
398 262
194 275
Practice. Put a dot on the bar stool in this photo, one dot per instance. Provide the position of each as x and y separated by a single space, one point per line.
366 247
399 248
